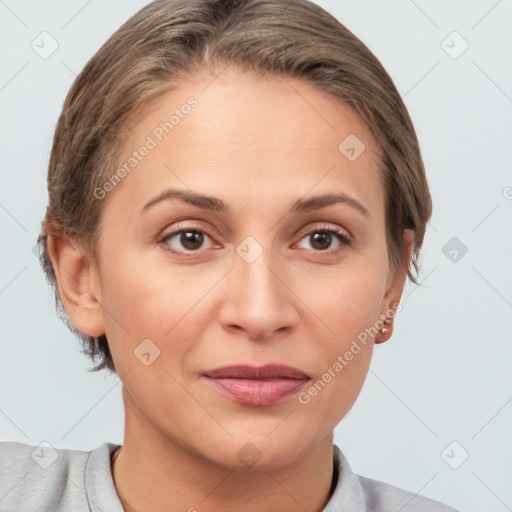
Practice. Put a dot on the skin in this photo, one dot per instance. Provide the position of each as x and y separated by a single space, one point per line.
258 144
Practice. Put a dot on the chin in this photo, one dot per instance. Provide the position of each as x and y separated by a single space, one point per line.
259 453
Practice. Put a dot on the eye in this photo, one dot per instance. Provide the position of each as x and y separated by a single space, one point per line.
321 239
186 240
189 240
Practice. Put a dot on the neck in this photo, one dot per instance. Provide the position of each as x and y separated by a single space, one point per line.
152 472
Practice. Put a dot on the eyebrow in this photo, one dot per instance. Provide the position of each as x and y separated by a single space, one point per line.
216 205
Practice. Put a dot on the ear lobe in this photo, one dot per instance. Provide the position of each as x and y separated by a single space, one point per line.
74 279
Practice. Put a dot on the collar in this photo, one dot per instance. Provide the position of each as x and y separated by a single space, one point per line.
348 495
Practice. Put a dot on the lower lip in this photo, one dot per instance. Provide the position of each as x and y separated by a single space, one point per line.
258 392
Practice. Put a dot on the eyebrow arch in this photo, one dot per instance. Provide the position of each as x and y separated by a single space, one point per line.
326 200
216 205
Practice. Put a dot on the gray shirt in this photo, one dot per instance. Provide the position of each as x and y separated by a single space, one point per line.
45 479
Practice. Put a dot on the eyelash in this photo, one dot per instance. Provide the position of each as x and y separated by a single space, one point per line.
343 238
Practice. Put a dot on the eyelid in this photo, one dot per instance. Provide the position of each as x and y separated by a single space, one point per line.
191 225
325 227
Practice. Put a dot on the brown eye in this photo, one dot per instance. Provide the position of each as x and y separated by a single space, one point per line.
191 240
326 239
321 240
185 241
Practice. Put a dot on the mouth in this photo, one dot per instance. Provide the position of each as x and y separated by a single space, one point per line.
257 386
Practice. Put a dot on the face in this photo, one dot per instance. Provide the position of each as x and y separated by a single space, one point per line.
217 249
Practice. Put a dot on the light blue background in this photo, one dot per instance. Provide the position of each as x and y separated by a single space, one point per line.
445 375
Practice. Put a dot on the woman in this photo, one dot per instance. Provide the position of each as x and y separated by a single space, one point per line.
236 197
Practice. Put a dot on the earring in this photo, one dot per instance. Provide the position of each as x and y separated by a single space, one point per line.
384 330
388 321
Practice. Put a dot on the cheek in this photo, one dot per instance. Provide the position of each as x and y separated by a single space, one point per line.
349 305
135 302
348 300
148 301
137 290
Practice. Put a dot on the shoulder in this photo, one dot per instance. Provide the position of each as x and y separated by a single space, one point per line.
43 478
385 497
356 493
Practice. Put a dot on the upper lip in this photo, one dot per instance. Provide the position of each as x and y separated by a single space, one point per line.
269 371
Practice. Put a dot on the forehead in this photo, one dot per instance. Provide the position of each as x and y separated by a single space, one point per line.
255 135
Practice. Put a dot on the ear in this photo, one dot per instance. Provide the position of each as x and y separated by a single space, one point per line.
394 288
77 284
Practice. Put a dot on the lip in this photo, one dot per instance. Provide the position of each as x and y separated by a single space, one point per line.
257 386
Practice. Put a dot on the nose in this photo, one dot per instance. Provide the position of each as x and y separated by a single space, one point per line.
259 300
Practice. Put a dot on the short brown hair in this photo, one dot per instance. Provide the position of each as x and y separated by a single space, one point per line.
168 41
